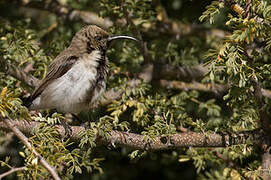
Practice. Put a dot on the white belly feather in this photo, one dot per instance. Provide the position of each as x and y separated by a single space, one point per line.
69 92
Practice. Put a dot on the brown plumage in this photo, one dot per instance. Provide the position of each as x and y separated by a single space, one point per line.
76 78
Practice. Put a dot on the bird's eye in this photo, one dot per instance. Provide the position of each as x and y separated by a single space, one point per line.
98 38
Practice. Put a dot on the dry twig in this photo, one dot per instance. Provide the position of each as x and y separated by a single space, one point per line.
12 170
18 73
9 123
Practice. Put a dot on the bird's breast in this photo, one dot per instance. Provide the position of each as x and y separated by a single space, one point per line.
79 87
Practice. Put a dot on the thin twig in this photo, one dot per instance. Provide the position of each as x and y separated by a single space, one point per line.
12 170
18 73
25 141
229 162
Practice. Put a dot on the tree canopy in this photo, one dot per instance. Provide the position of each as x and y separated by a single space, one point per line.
190 100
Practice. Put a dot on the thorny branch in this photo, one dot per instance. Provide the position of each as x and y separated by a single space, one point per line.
13 127
137 141
12 170
18 73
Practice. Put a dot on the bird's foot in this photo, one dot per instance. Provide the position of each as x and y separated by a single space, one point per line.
67 128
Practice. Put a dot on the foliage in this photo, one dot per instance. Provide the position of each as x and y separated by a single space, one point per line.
236 48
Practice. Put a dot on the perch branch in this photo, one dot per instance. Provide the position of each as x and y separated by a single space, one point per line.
13 127
137 141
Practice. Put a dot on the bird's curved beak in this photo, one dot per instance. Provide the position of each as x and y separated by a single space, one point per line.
110 39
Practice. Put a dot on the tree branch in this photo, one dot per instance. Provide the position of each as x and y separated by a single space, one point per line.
219 89
18 73
167 71
208 87
163 25
137 141
71 14
12 170
24 139
264 119
265 125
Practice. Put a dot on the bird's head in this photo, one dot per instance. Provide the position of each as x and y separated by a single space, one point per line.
96 38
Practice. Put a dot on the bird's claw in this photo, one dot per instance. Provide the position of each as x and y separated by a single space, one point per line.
67 128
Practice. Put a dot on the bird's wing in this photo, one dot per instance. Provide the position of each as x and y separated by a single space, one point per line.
57 68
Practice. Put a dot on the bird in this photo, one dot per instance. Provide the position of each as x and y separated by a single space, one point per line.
76 78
